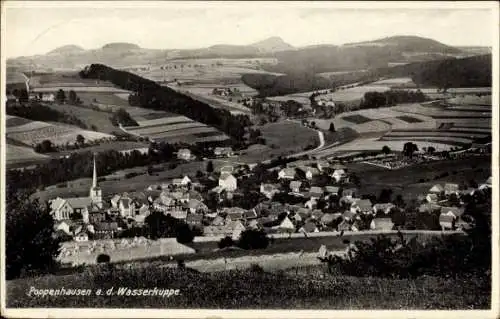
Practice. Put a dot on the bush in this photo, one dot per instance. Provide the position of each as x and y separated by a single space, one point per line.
103 259
184 234
253 239
225 242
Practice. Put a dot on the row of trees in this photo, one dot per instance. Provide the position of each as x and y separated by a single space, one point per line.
40 112
149 94
72 97
390 98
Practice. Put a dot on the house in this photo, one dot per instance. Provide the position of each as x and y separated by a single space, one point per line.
184 154
344 226
286 225
446 222
311 203
322 165
295 186
429 208
349 192
384 208
105 230
96 217
81 236
452 211
309 227
384 223
219 221
223 151
250 214
237 228
310 172
228 182
356 226
338 175
234 213
181 181
331 190
364 206
254 224
450 188
287 173
196 206
126 207
268 190
329 219
222 230
227 169
317 214
432 198
436 189
194 219
487 184
63 226
64 208
47 97
315 192
349 215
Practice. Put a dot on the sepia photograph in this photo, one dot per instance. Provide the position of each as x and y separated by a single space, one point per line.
249 159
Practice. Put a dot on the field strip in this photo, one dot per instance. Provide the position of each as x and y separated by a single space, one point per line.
31 126
164 128
158 125
440 139
164 120
184 132
437 134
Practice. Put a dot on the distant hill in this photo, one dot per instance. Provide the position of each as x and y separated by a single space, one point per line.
409 44
466 72
272 44
67 49
121 46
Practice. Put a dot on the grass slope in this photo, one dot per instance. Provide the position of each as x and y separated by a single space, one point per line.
296 289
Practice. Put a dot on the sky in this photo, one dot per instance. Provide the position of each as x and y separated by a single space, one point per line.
169 25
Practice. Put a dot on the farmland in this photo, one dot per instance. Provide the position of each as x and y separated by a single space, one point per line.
35 132
175 129
282 138
98 120
19 154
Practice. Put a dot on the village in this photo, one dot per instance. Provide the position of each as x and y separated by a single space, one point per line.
302 196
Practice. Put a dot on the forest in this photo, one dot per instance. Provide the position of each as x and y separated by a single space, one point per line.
151 95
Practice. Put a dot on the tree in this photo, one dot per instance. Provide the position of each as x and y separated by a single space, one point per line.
253 239
184 234
409 148
80 140
431 150
30 241
210 167
45 147
60 96
225 242
332 127
386 149
72 98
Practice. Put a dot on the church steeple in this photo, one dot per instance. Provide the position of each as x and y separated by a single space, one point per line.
94 176
95 191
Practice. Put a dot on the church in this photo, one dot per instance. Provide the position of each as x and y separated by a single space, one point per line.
78 207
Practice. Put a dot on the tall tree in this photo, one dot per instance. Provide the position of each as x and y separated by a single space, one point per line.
30 244
60 96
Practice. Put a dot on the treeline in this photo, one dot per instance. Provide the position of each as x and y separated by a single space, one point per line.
373 100
79 165
40 112
149 94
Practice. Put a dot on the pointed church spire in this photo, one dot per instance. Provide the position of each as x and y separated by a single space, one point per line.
94 176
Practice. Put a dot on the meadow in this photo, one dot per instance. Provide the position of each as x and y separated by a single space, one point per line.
300 288
35 132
